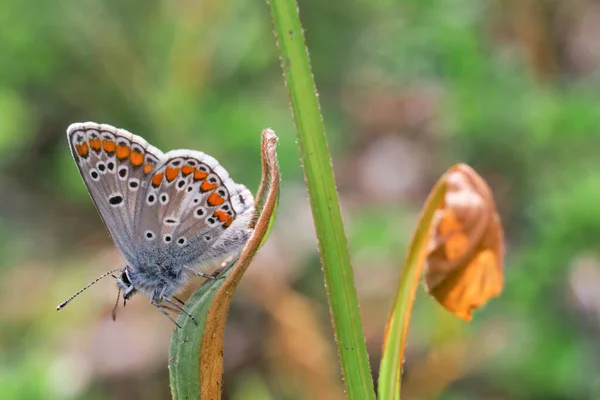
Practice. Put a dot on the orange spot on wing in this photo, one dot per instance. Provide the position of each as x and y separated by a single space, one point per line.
95 144
157 179
206 186
147 168
82 149
122 151
215 200
136 158
171 173
199 175
109 146
223 217
186 170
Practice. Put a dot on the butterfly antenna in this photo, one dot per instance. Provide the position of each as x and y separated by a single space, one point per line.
114 311
64 303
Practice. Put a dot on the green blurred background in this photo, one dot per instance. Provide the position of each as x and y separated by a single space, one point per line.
407 89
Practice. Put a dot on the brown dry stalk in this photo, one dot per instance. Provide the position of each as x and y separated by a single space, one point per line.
211 347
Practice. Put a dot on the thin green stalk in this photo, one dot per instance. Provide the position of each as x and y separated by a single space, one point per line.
320 182
397 327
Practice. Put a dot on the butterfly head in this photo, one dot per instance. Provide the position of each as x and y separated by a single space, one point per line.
124 284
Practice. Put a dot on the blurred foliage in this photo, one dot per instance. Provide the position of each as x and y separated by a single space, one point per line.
407 87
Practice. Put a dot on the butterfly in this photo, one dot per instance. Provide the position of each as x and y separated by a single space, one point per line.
171 215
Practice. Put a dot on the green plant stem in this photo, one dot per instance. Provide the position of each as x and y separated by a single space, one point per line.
324 202
397 327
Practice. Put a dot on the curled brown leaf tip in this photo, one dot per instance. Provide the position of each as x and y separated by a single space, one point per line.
465 260
211 346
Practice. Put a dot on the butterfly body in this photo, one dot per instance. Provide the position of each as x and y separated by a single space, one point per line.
171 215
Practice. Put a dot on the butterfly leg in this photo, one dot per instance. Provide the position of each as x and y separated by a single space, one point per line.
215 275
161 308
178 307
207 276
229 262
169 308
212 277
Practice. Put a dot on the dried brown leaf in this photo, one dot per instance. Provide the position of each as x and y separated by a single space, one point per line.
211 354
465 260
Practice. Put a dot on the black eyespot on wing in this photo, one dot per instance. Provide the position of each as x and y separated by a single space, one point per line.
242 200
115 200
181 184
168 238
221 193
110 165
123 172
101 167
133 184
149 235
94 175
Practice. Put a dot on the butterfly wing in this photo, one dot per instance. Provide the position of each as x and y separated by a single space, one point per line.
193 212
161 210
116 167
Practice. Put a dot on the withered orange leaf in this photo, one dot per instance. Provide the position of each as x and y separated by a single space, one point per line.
465 263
